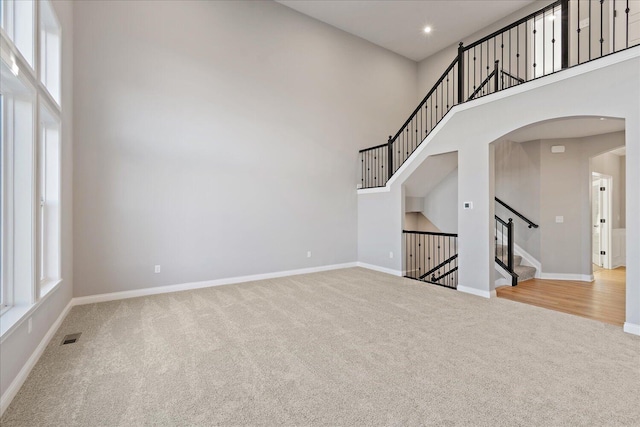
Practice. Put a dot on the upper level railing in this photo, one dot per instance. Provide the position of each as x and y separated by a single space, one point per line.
558 36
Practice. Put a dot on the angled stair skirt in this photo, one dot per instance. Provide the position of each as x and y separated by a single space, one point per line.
524 272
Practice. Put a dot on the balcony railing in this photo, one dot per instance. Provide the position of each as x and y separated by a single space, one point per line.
558 36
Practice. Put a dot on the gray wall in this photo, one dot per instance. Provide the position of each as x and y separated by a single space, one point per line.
17 347
441 204
565 186
220 139
518 184
542 185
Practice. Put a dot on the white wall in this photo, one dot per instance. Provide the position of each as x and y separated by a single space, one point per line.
220 139
472 127
17 347
518 185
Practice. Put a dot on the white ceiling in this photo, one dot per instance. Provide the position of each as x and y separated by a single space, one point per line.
566 128
398 25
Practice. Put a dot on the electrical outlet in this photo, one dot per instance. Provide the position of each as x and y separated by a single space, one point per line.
156 269
29 325
390 254
308 254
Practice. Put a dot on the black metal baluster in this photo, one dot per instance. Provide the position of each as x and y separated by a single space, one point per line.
613 18
510 53
626 11
589 30
564 33
601 28
517 55
534 48
481 71
544 44
474 68
578 37
553 41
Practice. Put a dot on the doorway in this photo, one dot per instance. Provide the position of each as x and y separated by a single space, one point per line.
601 220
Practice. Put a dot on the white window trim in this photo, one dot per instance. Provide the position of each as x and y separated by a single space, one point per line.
15 313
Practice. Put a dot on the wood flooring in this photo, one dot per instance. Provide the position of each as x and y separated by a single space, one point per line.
603 299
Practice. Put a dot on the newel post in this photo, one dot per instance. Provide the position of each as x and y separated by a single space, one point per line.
390 157
564 29
460 73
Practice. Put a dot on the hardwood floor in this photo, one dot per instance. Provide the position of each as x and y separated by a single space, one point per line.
603 299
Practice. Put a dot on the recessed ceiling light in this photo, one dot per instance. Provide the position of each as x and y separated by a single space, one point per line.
427 29
602 118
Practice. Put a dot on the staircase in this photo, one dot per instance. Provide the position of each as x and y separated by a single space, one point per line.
505 255
523 272
531 48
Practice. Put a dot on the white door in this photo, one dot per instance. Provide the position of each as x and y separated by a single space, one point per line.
619 27
600 220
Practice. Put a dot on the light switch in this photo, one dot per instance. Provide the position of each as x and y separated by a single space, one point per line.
559 219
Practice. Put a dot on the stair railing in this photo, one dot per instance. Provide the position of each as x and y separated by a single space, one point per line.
504 239
532 47
529 223
431 257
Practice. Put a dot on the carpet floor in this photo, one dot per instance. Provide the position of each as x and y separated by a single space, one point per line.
339 348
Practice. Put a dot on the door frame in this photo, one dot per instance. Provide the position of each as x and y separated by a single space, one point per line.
606 260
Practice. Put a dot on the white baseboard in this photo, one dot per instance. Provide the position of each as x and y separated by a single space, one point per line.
474 291
113 296
563 276
380 269
631 328
19 380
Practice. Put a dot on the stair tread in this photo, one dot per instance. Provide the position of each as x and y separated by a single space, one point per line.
524 272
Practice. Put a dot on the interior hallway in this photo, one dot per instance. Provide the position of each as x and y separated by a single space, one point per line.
603 299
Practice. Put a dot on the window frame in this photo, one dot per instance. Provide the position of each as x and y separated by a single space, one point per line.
18 304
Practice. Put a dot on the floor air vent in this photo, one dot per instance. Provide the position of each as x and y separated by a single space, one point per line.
70 339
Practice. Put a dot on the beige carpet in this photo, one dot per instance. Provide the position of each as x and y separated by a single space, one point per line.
342 348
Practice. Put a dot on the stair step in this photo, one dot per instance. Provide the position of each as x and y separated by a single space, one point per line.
517 259
524 272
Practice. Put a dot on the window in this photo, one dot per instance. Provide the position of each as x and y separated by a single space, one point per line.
48 201
50 50
30 147
18 148
18 17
